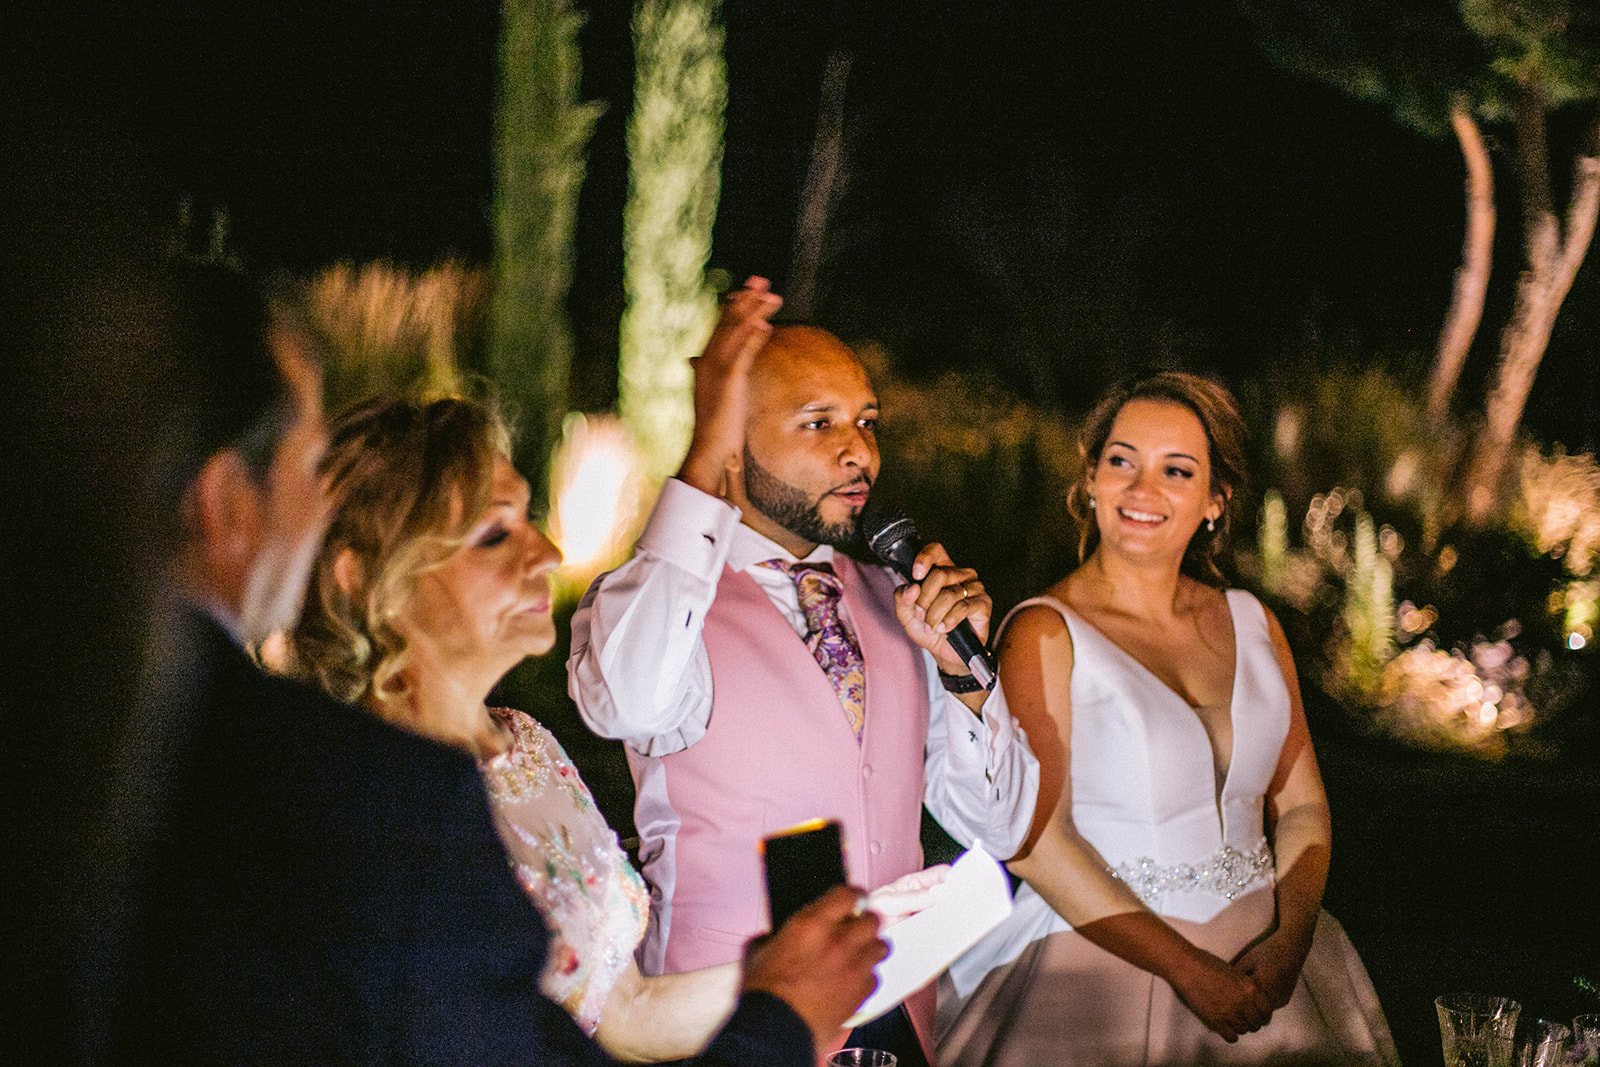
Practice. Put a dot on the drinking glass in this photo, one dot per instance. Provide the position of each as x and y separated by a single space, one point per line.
1476 1030
862 1057
1586 1040
1542 1043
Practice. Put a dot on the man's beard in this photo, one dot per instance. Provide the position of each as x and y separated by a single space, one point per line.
789 507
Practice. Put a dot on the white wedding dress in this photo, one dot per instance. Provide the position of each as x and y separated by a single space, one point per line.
1144 792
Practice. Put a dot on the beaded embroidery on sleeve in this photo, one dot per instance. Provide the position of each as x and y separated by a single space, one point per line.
568 859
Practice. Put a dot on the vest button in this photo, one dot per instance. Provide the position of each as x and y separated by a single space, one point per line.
875 848
866 770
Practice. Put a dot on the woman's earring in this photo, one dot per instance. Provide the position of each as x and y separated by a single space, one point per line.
1211 526
1091 504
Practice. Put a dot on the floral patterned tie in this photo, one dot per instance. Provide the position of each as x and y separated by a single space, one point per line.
830 643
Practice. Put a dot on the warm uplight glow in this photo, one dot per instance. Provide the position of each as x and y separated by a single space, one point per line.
1560 507
595 497
1328 543
1414 621
1273 540
1579 607
1286 432
1455 699
1401 663
1390 543
1369 611
1403 474
391 330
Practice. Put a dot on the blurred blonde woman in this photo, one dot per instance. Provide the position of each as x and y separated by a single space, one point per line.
1172 911
432 583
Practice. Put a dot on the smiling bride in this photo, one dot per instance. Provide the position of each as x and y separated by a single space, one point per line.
1172 912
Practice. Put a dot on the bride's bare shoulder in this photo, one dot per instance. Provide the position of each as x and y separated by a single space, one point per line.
1037 626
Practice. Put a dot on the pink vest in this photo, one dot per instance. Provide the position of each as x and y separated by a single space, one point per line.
778 751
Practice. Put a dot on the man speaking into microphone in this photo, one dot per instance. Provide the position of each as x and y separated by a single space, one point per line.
760 679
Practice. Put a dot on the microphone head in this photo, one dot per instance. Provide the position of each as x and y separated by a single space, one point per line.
883 527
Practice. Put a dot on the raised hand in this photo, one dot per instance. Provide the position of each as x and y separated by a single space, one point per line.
820 961
722 386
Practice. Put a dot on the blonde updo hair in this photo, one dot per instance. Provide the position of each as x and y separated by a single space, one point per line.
1225 433
407 478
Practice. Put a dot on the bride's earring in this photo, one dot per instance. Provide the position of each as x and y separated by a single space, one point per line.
1211 526
1091 504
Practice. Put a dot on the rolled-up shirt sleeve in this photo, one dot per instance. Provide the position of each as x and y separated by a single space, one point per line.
638 670
982 778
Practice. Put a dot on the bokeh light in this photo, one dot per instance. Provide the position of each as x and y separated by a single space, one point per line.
596 498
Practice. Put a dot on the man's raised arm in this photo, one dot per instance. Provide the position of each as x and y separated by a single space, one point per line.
638 668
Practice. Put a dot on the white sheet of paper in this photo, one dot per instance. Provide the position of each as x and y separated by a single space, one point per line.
973 900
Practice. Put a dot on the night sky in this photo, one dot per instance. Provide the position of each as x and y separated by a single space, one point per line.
1060 191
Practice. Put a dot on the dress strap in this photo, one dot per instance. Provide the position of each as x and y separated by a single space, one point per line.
1058 606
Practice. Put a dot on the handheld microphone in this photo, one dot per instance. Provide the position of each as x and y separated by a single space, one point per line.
893 538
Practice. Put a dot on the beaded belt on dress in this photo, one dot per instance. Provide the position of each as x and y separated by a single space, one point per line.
1226 872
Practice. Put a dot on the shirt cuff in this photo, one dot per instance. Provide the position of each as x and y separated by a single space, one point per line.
690 529
997 717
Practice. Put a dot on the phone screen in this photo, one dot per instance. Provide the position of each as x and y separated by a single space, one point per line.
802 863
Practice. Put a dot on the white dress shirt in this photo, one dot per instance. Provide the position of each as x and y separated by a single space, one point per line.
639 670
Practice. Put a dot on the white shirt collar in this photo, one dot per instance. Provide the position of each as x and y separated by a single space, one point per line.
750 548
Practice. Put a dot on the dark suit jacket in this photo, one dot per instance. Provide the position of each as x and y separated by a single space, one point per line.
327 888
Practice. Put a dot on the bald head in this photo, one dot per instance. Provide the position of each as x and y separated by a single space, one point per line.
793 349
811 450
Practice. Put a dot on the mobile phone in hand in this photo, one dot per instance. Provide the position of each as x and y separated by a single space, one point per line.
802 862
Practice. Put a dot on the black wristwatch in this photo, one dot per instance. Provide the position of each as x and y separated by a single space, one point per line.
960 683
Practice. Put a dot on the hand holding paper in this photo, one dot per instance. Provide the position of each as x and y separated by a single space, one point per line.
904 897
953 907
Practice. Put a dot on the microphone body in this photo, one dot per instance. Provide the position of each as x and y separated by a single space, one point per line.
893 538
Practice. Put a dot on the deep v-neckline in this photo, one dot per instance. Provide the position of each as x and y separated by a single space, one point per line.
1220 790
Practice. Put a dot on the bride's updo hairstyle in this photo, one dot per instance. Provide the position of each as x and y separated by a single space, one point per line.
1225 433
407 479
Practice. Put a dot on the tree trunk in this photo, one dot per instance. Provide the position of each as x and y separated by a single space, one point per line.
541 132
1472 277
1553 261
674 138
823 179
